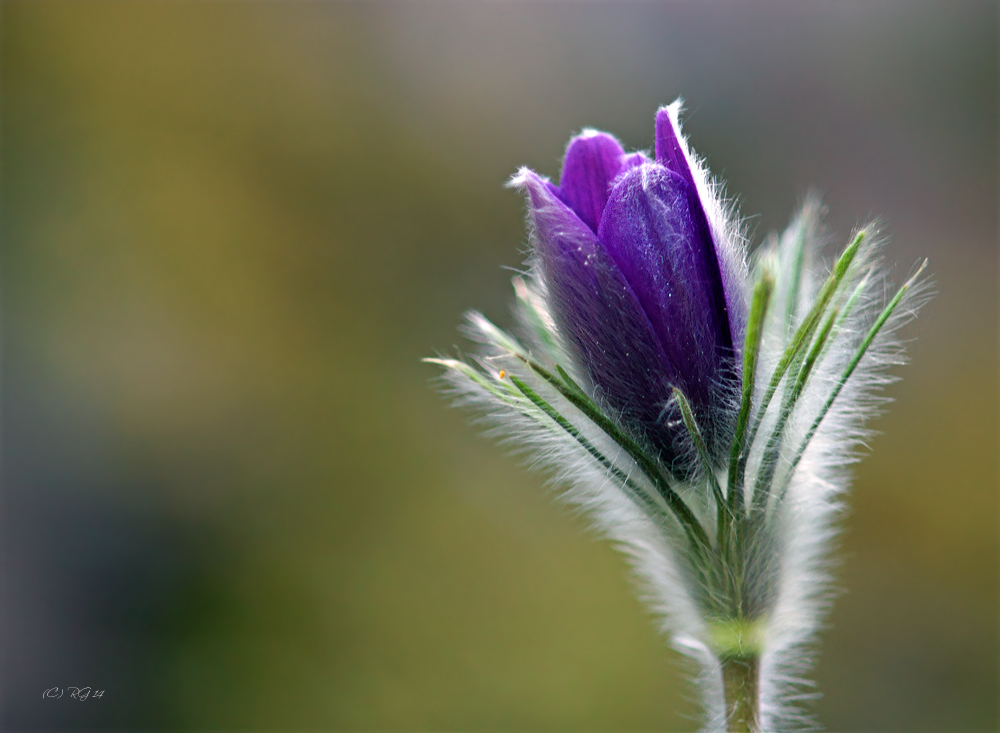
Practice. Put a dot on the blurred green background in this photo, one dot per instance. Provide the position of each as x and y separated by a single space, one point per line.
231 230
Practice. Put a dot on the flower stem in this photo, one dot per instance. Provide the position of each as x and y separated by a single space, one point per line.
741 679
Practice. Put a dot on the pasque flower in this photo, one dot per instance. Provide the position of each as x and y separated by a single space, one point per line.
700 405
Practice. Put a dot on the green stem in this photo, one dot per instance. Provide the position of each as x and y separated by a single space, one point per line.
741 681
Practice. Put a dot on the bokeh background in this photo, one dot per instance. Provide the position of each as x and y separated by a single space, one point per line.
231 230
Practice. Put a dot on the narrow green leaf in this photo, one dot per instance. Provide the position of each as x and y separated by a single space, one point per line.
769 461
572 385
751 348
848 371
804 333
633 490
846 310
722 509
495 387
798 253
572 392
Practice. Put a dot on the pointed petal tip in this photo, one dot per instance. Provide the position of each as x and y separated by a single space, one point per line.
669 146
540 191
589 132
674 108
593 160
668 118
524 178
664 116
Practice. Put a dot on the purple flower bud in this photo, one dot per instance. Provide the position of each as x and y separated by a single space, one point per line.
633 274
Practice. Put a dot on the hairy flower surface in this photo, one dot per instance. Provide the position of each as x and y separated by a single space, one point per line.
701 413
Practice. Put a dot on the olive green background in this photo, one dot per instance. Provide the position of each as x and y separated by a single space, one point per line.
230 231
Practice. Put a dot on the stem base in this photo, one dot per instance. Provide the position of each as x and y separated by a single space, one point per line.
741 680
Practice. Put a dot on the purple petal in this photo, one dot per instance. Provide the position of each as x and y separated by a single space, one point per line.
632 160
592 161
601 318
654 230
670 153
